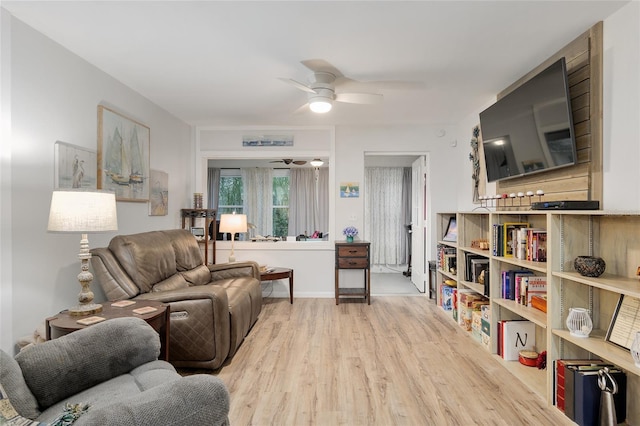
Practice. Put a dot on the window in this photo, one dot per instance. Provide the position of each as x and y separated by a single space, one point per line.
230 197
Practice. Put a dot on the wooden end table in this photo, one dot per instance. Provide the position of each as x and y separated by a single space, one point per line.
279 274
64 323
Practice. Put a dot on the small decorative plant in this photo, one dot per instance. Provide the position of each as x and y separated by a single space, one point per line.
350 231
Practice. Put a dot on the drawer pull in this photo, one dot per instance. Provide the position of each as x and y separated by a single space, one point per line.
353 251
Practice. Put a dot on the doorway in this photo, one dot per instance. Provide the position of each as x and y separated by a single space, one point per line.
395 196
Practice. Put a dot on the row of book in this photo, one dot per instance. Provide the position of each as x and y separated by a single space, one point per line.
519 240
515 336
577 392
522 285
446 259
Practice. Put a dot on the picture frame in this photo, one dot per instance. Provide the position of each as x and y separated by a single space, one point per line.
349 190
74 166
123 156
158 193
625 322
451 234
198 232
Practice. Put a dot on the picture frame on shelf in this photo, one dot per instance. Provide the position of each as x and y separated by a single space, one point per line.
197 232
451 234
625 322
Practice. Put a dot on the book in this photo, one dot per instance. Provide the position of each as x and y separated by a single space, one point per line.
560 377
90 320
145 310
517 335
447 297
587 395
536 286
123 303
520 286
510 237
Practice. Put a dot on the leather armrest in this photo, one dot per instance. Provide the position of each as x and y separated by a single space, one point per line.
221 271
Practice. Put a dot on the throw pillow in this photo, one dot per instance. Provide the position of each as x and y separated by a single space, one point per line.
9 416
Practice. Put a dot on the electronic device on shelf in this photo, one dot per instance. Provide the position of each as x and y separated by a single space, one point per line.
566 205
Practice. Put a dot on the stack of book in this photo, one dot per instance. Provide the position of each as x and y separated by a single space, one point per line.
578 394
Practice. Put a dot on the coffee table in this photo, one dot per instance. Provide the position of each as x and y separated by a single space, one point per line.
64 323
277 273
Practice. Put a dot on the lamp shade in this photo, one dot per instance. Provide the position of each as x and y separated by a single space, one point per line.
82 211
316 162
233 223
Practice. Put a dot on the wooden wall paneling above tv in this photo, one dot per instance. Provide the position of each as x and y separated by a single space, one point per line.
582 181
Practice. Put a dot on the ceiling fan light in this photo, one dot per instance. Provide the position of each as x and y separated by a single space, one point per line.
320 107
316 162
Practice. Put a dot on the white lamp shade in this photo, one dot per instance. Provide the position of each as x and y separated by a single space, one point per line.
83 211
316 162
233 223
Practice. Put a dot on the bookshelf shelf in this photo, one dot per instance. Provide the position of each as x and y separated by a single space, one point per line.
596 344
614 236
534 315
532 377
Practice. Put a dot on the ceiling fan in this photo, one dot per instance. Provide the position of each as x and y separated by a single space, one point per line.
288 161
321 90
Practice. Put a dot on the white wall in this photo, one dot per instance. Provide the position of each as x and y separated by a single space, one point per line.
54 96
621 106
352 142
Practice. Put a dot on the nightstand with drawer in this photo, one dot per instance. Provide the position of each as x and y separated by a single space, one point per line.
353 255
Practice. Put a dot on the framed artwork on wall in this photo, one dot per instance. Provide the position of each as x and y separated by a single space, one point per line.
75 166
349 190
159 193
123 156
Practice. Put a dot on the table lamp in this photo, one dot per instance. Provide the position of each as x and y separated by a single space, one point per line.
82 212
233 223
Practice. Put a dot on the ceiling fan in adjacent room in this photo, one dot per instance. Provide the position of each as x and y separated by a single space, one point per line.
323 83
288 161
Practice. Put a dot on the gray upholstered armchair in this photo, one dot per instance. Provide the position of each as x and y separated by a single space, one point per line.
113 367
212 307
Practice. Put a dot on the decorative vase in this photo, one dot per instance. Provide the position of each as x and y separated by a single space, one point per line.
349 239
635 349
589 266
579 322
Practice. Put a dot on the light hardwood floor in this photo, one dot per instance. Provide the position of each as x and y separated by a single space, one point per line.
398 361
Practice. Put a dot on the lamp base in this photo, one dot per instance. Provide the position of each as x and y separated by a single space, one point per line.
86 309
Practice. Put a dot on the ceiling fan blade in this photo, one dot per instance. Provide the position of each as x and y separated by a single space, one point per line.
277 161
298 85
299 162
320 65
302 109
346 83
359 98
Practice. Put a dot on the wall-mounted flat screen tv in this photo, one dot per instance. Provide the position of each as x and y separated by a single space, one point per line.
530 130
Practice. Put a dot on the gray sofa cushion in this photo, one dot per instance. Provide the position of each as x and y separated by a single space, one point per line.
16 388
131 343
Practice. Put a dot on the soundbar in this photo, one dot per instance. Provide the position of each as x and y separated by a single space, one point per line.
565 205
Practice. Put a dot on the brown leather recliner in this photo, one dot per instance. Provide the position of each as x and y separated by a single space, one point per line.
212 307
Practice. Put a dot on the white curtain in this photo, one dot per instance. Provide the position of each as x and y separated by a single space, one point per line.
385 214
213 187
257 185
308 201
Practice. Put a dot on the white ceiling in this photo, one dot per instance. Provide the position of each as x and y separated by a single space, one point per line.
218 63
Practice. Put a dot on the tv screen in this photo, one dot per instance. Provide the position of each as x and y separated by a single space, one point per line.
530 130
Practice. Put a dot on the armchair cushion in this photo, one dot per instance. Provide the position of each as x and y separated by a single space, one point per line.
123 344
16 388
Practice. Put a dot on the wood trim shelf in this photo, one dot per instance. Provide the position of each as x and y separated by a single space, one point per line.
532 314
609 282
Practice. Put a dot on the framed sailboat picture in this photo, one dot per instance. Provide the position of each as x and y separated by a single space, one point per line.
123 156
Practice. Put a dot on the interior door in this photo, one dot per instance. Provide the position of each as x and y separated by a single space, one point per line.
419 265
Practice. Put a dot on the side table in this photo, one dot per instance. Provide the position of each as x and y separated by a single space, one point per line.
354 255
279 274
64 323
